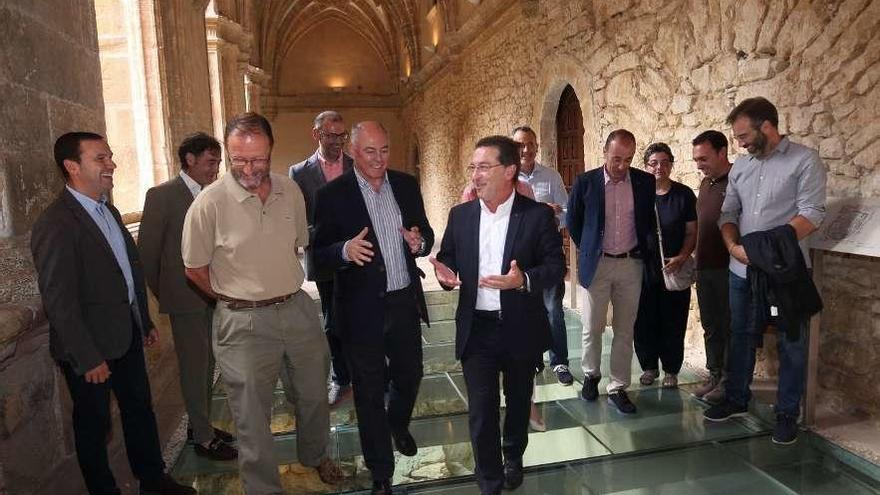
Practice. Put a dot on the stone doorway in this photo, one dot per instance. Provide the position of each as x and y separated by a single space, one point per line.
569 146
569 137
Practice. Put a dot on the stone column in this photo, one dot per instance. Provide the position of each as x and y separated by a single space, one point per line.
255 82
228 53
50 79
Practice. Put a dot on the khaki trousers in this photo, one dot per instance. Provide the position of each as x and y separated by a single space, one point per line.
195 359
618 281
251 346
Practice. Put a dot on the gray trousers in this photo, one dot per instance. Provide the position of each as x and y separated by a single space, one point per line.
195 359
712 297
251 346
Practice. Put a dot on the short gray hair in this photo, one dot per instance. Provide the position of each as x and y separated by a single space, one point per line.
359 127
327 116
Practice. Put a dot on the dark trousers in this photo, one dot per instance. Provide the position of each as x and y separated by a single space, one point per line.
714 302
91 421
484 358
339 371
660 327
398 355
553 304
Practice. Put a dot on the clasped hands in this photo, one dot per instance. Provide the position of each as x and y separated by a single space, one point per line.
359 251
513 279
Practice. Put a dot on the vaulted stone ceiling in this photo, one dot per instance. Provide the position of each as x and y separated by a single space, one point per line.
387 26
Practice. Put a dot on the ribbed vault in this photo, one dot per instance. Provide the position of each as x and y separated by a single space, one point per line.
384 24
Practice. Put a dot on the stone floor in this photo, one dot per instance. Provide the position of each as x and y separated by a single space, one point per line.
587 448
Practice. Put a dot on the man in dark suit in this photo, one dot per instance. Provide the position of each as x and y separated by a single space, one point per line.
371 233
189 310
611 220
326 164
503 250
93 293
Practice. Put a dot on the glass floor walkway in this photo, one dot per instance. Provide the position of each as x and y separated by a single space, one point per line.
588 447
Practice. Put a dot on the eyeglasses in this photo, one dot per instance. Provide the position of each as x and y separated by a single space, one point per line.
480 168
331 136
241 162
657 163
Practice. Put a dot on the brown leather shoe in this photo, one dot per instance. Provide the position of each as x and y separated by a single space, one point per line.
329 472
217 450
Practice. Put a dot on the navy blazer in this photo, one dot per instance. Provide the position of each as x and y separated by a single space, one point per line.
358 291
84 292
309 177
586 220
534 242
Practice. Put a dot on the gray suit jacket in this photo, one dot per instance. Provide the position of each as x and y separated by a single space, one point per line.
309 176
84 292
159 243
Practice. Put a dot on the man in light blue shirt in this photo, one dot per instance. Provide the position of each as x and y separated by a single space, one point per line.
779 182
548 187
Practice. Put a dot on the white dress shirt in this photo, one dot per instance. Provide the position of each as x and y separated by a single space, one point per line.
493 234
194 187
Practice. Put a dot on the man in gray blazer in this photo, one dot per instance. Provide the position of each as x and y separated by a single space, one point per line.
93 293
188 308
327 163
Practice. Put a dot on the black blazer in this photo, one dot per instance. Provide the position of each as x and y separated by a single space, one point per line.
309 177
359 290
586 221
84 291
534 242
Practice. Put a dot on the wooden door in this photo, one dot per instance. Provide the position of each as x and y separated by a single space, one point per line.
570 145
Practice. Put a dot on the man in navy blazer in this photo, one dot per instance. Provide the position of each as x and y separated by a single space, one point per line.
370 233
611 220
326 164
502 250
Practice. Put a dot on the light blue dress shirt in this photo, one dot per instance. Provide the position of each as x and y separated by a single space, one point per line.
548 187
112 232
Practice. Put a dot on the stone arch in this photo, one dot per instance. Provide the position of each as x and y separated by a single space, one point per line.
559 72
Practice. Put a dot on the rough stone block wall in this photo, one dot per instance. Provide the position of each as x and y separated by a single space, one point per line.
667 70
50 79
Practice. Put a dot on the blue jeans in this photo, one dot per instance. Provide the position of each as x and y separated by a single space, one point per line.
553 304
741 354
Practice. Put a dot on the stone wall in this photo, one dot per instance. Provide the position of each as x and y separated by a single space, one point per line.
667 70
50 79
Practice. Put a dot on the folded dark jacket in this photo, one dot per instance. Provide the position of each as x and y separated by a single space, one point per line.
778 276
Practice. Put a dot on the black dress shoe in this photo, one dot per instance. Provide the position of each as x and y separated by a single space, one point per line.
405 443
381 487
166 486
513 473
218 433
590 391
217 450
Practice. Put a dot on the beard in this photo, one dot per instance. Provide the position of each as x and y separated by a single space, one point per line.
759 144
251 182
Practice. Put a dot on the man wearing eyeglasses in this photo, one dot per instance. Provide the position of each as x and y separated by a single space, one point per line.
503 250
370 226
239 246
326 164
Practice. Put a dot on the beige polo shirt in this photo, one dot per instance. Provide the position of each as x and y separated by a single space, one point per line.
249 246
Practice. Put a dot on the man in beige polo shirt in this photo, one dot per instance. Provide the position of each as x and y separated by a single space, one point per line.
239 246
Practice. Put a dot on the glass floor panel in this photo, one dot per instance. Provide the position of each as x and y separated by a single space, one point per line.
588 447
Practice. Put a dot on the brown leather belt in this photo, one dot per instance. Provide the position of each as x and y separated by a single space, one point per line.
237 304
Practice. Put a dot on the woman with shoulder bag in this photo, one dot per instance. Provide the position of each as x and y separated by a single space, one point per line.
664 304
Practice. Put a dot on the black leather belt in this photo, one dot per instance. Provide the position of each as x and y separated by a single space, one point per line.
488 315
237 304
634 254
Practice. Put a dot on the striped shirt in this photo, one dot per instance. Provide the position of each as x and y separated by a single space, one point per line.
385 215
